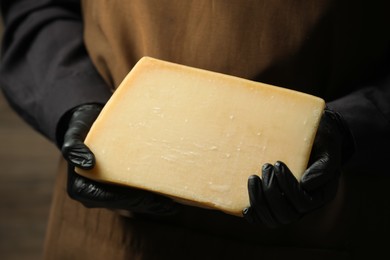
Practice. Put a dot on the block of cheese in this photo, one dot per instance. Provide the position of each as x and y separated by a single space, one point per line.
196 135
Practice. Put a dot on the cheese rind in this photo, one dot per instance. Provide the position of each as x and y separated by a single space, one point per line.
197 135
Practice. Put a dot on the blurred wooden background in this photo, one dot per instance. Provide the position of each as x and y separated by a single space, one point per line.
27 170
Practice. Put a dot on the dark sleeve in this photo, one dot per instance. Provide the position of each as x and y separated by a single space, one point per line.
367 113
45 70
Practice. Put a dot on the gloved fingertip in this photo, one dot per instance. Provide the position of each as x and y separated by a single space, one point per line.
253 183
84 161
280 165
253 178
86 165
312 178
267 166
78 155
247 214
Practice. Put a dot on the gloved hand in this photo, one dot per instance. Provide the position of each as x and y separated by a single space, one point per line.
278 198
100 195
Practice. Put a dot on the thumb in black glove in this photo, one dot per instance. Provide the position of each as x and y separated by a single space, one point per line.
278 198
73 149
100 195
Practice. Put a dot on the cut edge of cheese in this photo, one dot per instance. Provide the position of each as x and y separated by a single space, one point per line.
228 109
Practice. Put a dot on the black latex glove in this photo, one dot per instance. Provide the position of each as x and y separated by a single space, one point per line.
96 194
278 198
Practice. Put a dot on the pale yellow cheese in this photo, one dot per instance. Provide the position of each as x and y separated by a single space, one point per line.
197 136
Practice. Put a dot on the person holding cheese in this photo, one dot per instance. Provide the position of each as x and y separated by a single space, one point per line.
62 60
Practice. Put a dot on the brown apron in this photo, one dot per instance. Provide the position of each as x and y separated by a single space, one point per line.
317 47
322 47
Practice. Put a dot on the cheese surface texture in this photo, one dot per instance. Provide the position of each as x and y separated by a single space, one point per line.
196 135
